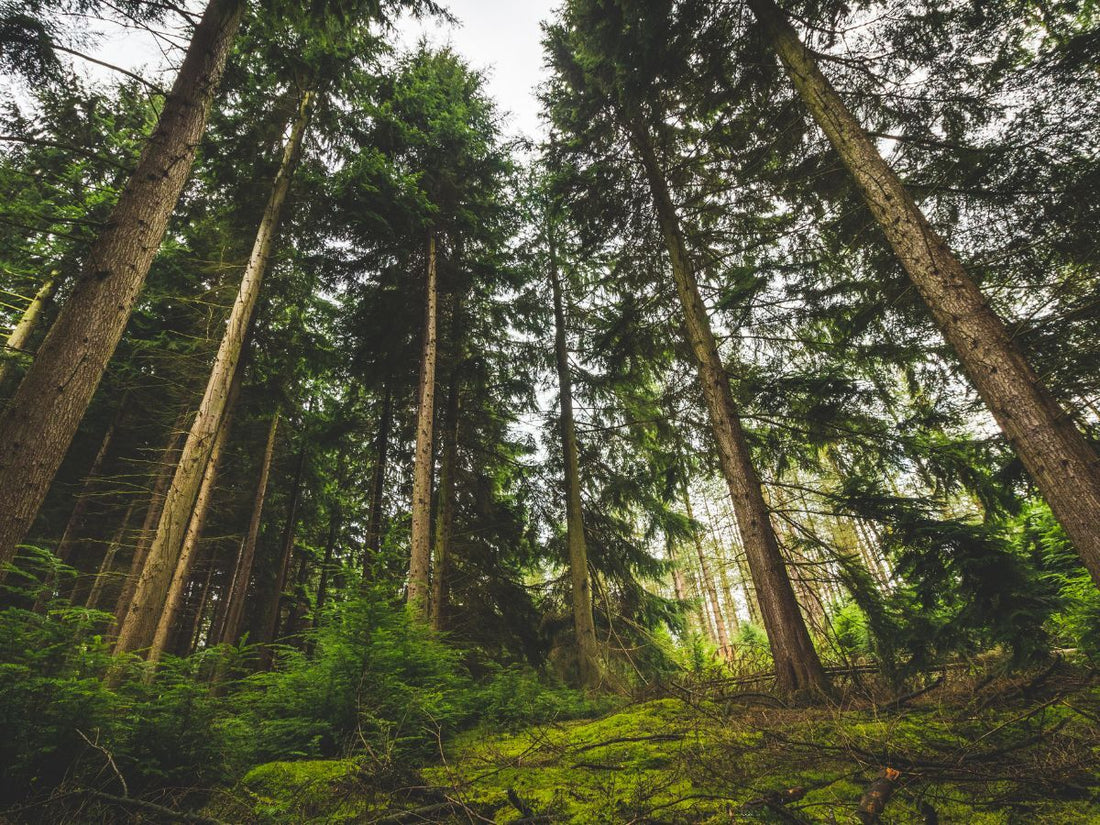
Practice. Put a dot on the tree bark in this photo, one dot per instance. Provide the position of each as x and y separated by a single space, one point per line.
378 483
17 341
237 591
1060 461
797 666
182 576
421 551
584 623
39 424
139 624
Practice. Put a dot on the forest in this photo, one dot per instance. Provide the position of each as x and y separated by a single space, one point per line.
725 452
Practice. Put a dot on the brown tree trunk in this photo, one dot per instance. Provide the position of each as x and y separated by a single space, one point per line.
237 592
17 341
39 424
378 484
421 552
139 624
797 666
200 608
182 576
1062 464
584 623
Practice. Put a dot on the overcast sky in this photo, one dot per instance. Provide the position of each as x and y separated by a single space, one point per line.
499 37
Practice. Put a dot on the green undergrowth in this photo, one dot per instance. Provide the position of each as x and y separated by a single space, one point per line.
994 754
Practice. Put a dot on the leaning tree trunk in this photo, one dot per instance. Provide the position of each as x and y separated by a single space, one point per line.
143 612
17 341
42 418
237 592
584 623
177 591
106 565
1062 464
421 551
797 666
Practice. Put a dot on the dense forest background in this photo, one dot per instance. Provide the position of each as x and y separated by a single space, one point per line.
342 432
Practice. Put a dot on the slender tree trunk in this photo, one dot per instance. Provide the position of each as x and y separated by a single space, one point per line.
152 514
182 576
139 624
200 608
1062 464
335 523
270 624
584 624
797 666
378 484
17 341
723 574
680 587
421 555
237 592
445 520
76 519
107 564
39 424
708 581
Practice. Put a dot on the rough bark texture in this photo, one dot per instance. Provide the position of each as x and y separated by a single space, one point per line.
797 666
421 551
140 622
42 418
182 576
17 341
584 624
242 573
1062 464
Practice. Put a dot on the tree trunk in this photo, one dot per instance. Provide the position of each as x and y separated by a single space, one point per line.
139 625
182 576
797 666
152 515
42 418
76 519
421 553
200 608
445 519
17 341
269 628
107 564
378 484
1062 464
708 581
584 624
237 591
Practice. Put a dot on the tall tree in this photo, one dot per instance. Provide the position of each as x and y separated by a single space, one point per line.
40 421
1063 465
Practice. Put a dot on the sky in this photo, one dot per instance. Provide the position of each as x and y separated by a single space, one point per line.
498 37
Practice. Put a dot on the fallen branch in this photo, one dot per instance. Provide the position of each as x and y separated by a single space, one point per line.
152 807
657 737
878 793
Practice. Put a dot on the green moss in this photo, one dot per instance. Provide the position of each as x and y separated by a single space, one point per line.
287 792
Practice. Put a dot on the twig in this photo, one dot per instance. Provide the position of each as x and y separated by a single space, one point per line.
153 807
110 760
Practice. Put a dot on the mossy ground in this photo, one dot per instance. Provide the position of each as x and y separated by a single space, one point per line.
996 754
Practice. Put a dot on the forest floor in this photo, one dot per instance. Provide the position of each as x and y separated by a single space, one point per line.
966 749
